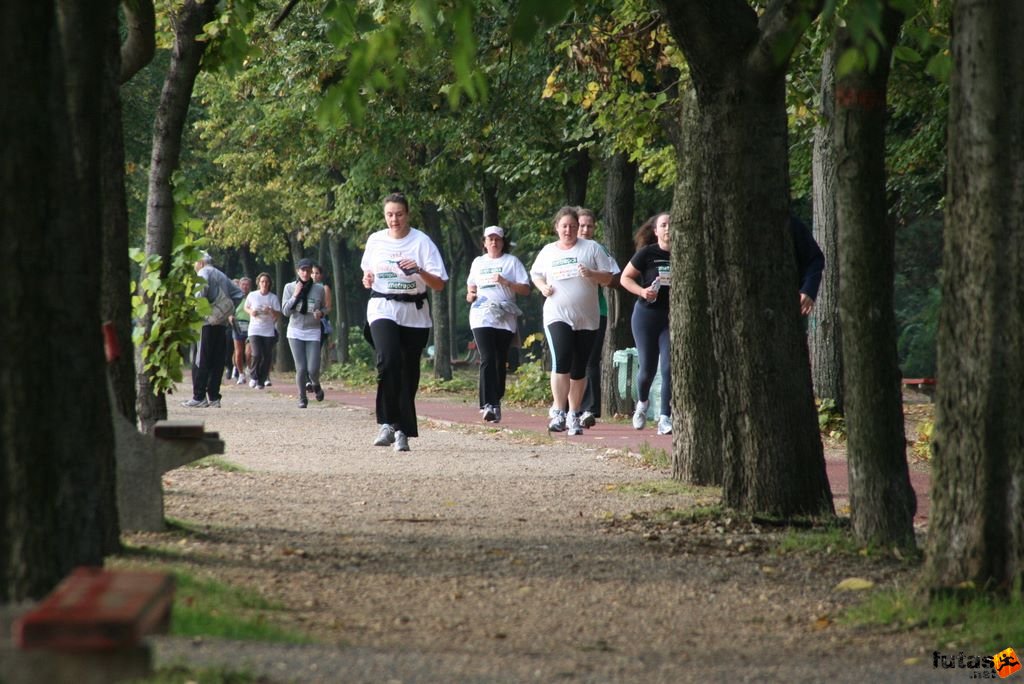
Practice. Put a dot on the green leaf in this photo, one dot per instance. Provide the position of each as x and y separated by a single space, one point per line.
907 54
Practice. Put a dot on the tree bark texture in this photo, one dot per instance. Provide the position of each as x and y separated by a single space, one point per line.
115 299
773 458
438 300
619 204
340 315
696 408
575 176
976 529
168 129
56 447
824 330
882 502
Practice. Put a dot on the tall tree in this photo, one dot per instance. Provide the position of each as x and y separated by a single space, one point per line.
697 422
773 458
882 502
976 531
187 23
56 447
825 334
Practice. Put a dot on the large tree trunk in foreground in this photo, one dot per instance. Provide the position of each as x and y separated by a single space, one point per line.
696 409
773 458
167 134
825 333
619 200
56 434
882 502
976 530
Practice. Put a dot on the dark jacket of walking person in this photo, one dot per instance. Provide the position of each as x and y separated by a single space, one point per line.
495 278
211 351
810 263
399 264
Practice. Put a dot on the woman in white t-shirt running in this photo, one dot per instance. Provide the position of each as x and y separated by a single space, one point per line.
264 308
568 272
495 278
399 264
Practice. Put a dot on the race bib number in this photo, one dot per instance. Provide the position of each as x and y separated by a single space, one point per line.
488 277
665 274
563 269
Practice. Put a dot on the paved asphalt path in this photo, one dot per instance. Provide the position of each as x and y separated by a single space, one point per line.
618 436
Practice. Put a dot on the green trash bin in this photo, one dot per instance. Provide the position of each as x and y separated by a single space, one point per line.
627 364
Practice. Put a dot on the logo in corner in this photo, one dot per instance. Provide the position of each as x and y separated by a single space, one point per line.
1006 662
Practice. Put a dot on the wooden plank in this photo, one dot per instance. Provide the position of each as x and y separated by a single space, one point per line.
96 609
178 429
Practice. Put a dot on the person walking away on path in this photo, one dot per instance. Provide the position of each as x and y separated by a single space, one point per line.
495 278
568 273
648 276
325 322
303 305
592 395
209 355
810 264
242 357
399 264
264 309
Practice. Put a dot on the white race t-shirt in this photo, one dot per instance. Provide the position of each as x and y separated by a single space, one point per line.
381 257
262 326
484 274
574 300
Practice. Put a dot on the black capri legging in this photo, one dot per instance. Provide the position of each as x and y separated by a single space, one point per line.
570 349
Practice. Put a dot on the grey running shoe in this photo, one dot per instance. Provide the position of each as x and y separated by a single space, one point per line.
401 441
489 413
386 435
575 427
665 425
640 415
318 392
557 423
215 403
267 383
195 403
252 383
588 420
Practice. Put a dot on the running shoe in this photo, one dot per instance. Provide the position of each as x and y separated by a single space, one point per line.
588 420
575 426
195 403
318 392
640 415
489 413
497 414
386 435
267 383
241 380
215 403
303 402
665 425
401 441
557 423
252 383
309 387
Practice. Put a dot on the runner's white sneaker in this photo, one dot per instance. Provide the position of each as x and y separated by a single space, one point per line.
588 420
640 415
386 435
557 423
575 427
664 425
401 441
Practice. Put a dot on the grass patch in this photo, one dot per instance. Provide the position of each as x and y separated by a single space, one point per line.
658 488
655 456
689 516
822 539
984 623
218 463
211 609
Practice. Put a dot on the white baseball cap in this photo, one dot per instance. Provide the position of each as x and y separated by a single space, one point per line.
494 230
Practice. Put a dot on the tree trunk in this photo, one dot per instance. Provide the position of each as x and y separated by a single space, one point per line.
284 272
882 502
168 129
57 446
773 459
696 408
575 176
490 194
115 297
619 203
976 529
438 300
340 316
825 332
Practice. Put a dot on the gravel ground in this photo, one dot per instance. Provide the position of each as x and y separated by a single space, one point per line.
488 556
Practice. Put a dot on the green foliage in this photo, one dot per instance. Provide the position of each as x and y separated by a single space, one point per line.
918 337
170 303
830 421
655 456
530 385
